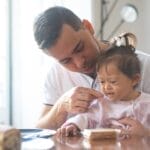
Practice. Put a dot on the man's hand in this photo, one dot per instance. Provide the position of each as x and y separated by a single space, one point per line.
78 99
133 127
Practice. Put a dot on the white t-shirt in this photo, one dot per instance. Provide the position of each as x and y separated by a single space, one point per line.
59 80
145 71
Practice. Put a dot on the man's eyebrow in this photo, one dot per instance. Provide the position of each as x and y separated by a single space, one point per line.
73 51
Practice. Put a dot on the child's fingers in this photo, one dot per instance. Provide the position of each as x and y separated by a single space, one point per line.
58 132
67 130
71 130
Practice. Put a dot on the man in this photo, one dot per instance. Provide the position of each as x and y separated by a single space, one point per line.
63 36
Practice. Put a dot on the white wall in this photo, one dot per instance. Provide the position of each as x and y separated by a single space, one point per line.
141 27
28 61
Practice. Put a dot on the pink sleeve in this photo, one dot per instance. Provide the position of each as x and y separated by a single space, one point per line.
142 112
94 115
91 119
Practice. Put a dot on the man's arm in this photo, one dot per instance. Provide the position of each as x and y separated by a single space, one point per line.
52 117
76 100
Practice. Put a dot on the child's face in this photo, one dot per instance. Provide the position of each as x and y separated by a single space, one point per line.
114 84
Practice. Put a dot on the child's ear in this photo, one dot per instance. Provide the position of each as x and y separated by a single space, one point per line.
88 26
136 79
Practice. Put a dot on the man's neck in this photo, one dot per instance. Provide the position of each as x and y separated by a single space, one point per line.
92 75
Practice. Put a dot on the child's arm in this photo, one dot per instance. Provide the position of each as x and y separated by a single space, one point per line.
81 121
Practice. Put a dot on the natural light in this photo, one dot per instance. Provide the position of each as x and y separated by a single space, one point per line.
29 63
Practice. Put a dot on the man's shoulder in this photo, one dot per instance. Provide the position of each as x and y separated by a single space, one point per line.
145 96
55 67
143 57
142 54
57 70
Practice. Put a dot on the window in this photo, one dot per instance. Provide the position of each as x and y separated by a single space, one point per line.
4 117
27 60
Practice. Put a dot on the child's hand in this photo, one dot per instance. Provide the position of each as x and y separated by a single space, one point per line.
133 127
68 130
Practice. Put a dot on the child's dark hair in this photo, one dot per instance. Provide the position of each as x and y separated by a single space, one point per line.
124 57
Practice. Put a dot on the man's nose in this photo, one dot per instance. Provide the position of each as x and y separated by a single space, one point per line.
79 61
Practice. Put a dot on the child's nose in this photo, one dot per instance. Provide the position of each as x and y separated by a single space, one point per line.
107 86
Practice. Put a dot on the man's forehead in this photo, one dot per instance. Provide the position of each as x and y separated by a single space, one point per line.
67 41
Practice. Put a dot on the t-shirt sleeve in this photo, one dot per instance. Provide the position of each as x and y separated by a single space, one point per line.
51 89
145 72
50 94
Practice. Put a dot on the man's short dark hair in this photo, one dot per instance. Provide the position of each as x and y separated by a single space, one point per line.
48 25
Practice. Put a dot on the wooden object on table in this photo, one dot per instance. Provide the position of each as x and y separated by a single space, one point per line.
10 138
101 133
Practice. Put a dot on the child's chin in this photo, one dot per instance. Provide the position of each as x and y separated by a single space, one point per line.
111 98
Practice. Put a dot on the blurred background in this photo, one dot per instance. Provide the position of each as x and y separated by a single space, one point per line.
23 65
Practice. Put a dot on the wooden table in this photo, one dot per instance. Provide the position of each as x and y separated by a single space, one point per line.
80 143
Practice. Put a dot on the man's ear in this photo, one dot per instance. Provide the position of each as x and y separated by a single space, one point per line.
88 26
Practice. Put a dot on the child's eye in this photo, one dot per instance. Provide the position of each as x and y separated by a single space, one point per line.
102 82
113 82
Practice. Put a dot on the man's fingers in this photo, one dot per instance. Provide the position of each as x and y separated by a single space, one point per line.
79 109
82 103
92 92
78 99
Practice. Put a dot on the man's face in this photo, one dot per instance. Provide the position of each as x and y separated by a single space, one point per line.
76 50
